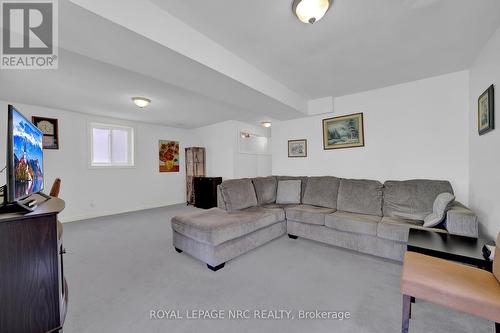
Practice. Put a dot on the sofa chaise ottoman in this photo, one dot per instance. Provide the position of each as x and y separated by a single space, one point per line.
215 236
361 215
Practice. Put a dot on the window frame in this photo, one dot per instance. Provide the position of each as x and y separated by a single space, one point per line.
108 126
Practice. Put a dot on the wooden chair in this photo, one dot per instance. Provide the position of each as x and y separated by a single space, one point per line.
54 192
456 286
56 187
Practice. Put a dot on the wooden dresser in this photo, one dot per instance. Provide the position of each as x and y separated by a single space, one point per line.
33 291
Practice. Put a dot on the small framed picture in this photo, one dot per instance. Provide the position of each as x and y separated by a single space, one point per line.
486 111
297 148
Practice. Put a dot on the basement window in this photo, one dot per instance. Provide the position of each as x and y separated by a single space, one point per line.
111 145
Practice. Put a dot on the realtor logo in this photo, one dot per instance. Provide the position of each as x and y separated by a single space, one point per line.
29 34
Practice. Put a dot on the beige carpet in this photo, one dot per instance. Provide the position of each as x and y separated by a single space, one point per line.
119 268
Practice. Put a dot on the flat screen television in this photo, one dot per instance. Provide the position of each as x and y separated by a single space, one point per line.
24 157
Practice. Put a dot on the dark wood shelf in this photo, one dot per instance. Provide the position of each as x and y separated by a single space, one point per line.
466 250
33 291
45 207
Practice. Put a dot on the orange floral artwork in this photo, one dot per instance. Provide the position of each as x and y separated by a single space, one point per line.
169 156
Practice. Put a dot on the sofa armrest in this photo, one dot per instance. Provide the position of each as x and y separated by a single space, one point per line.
461 221
220 200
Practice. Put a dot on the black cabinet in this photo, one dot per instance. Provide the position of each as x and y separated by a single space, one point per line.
33 291
205 191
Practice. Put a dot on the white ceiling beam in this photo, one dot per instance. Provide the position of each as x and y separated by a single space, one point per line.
150 21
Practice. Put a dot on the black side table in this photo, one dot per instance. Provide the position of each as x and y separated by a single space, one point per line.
450 247
205 191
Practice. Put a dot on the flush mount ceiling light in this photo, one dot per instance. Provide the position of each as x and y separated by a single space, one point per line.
310 11
141 102
266 124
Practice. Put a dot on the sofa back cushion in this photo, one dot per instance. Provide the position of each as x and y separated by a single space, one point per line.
220 199
412 199
265 189
288 192
496 259
238 194
321 191
360 196
303 180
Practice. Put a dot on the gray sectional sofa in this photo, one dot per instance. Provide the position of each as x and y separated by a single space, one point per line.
361 215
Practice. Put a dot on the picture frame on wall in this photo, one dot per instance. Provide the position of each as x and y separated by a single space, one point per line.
486 111
343 132
297 148
168 155
50 130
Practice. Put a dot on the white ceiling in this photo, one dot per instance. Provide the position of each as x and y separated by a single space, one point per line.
89 86
358 45
252 61
102 65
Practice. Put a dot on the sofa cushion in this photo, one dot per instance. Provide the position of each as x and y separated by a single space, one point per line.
216 226
412 199
303 180
220 199
352 222
275 209
308 214
496 263
238 194
321 191
397 229
275 205
442 204
265 189
288 192
360 196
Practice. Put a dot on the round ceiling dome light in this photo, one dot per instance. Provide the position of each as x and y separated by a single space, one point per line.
266 124
311 11
141 102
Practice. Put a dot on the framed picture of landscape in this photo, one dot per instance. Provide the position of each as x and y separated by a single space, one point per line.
486 111
343 132
297 148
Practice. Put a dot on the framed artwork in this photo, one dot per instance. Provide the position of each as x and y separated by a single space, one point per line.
486 111
50 130
343 132
297 148
168 156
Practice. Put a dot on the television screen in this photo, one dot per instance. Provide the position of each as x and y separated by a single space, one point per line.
26 157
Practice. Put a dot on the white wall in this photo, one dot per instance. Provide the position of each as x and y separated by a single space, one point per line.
97 192
412 130
224 158
219 141
249 164
484 150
